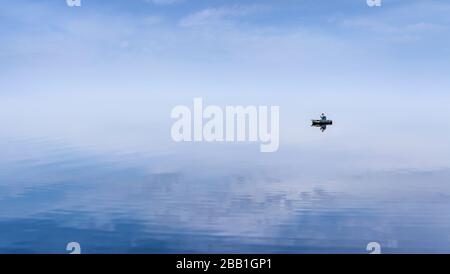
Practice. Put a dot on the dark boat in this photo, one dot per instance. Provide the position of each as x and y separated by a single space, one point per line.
322 122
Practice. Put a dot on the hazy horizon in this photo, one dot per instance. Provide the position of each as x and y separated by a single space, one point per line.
86 95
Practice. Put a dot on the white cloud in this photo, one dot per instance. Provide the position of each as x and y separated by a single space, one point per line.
220 15
415 17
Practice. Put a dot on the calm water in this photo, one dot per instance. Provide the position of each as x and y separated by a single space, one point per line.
229 198
85 148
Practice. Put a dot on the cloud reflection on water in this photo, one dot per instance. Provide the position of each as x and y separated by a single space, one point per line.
112 205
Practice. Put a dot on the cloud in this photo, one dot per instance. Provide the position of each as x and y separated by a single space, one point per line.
163 2
415 17
152 20
216 15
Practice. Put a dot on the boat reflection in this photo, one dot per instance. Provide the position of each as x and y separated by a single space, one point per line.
322 127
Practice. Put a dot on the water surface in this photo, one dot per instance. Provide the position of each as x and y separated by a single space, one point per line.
216 199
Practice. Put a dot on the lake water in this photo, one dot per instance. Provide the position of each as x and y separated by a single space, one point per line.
333 192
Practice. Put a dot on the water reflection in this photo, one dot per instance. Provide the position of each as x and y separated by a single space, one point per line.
126 203
322 127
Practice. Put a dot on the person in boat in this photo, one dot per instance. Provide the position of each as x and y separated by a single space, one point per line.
323 117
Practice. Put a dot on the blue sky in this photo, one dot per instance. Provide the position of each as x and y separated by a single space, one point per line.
311 38
120 66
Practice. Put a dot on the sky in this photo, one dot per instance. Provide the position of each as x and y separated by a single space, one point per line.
117 68
169 44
